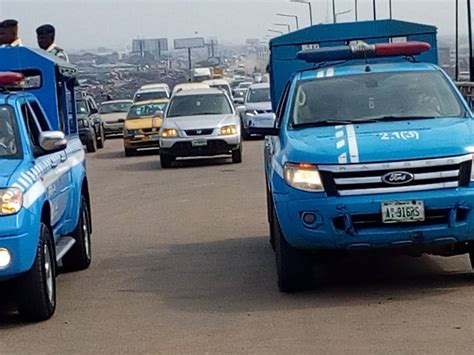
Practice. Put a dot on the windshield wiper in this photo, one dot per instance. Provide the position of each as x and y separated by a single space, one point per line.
321 123
392 118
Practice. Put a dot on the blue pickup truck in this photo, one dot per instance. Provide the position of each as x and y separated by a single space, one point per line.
44 194
371 150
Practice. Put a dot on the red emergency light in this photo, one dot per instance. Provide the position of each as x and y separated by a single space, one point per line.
363 51
10 79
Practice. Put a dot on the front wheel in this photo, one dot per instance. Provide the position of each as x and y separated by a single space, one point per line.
293 265
101 142
237 155
166 159
80 255
91 145
37 288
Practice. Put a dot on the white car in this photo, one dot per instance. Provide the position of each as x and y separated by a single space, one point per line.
199 123
220 84
151 93
189 86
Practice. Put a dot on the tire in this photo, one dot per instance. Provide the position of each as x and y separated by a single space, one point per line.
166 160
237 155
101 142
37 288
91 145
293 265
80 255
245 134
130 152
270 219
471 257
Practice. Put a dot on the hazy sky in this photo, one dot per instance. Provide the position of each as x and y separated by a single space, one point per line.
114 23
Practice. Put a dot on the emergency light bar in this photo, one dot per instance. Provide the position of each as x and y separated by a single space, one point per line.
10 79
363 51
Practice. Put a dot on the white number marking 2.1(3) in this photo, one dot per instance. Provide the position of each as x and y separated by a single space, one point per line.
401 135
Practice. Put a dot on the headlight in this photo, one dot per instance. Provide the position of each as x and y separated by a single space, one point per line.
228 130
169 133
83 123
251 113
303 177
11 201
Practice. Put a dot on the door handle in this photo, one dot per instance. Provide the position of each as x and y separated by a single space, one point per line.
63 158
54 164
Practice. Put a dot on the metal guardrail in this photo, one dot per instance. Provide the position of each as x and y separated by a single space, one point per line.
467 90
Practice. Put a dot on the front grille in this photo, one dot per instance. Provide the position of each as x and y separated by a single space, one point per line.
374 220
431 174
150 130
199 132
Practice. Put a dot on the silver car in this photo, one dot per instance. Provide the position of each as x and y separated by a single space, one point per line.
257 102
199 123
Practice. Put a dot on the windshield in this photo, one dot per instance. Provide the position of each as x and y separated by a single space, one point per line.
81 107
9 147
396 95
150 95
115 107
244 85
259 95
193 105
148 110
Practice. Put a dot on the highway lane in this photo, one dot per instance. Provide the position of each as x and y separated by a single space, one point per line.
182 265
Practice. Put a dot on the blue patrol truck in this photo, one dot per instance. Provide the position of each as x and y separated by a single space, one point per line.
44 194
372 147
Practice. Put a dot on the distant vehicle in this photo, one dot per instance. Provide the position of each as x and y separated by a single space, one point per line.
201 74
156 93
239 96
257 101
113 114
189 86
156 86
220 84
45 217
91 126
244 85
200 123
141 128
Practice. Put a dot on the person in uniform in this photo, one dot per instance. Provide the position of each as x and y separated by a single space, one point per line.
9 34
45 36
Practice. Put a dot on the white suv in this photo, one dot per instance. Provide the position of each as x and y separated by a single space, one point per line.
198 123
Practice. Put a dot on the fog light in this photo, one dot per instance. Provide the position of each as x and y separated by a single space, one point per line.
5 258
309 218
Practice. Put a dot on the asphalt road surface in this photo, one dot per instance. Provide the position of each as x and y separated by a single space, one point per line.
182 265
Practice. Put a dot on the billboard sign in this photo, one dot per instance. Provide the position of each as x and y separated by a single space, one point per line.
156 45
185 43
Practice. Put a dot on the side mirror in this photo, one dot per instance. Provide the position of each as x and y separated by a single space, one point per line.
94 111
241 108
158 114
263 125
52 141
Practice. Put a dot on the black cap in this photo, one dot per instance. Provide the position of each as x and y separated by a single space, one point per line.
9 23
45 30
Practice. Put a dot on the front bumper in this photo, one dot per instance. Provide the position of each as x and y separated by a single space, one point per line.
355 222
115 129
19 234
142 141
214 145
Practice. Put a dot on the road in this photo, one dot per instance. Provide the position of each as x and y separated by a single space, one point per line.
182 265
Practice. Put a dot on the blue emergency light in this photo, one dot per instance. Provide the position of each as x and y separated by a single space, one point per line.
363 51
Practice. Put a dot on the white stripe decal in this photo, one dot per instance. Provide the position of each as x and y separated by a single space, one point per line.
320 74
339 134
330 72
277 167
343 158
352 140
40 187
340 144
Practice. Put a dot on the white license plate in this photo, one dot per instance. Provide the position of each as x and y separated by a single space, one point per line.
403 211
199 143
155 138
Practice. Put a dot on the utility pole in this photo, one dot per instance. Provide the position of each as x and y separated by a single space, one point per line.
456 65
334 16
190 60
471 59
375 10
390 8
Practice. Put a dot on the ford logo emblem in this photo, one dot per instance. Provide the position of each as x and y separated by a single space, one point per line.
398 178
